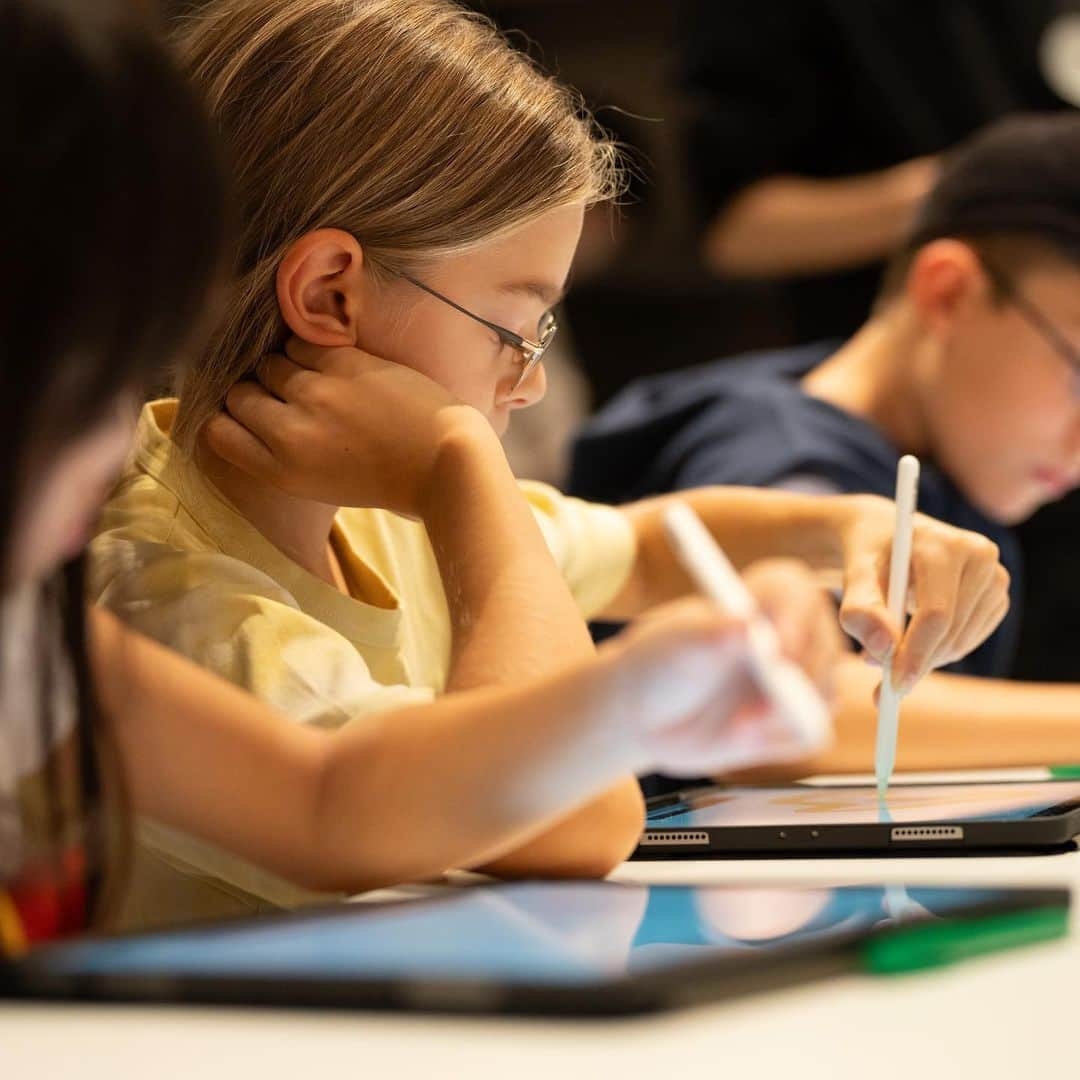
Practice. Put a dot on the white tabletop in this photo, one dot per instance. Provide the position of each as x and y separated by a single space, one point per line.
1007 1015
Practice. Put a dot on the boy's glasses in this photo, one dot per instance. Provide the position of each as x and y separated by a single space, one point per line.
1037 319
532 352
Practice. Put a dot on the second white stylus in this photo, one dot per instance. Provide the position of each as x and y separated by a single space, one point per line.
782 682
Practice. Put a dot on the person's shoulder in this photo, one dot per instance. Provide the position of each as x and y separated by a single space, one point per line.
152 503
131 573
761 382
753 410
639 443
674 395
762 427
139 508
569 522
148 550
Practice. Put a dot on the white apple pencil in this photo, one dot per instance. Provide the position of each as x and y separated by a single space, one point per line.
888 718
792 694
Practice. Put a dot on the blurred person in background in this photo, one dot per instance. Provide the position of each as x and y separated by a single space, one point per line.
817 125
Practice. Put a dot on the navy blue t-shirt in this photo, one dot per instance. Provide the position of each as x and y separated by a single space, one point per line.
748 422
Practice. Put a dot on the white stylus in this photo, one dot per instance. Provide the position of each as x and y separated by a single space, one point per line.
792 694
888 717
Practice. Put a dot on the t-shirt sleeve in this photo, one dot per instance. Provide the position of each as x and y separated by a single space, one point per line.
761 440
593 545
753 84
237 622
807 483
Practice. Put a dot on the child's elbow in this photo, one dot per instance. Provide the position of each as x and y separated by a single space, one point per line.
614 828
590 844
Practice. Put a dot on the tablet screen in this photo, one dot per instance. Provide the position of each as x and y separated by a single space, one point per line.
529 933
805 805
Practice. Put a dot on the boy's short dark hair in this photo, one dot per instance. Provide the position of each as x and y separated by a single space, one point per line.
1012 192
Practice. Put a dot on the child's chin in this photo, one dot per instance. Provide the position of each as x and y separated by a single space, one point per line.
1018 510
1007 508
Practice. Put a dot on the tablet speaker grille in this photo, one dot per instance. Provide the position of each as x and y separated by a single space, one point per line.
654 836
928 832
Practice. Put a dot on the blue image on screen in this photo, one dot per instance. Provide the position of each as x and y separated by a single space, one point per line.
538 933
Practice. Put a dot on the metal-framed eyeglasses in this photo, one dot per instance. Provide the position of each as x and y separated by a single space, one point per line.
1036 318
532 352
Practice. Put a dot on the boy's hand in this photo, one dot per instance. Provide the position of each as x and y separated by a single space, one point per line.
343 427
959 590
688 690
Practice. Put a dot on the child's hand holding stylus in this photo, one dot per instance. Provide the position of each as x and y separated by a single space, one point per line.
957 593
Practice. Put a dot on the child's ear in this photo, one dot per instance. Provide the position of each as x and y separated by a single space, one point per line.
319 287
944 277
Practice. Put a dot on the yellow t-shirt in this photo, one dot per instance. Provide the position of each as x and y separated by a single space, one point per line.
175 561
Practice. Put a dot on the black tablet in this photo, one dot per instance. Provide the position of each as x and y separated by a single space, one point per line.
801 819
577 948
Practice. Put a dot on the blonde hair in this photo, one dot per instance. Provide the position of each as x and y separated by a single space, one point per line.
411 124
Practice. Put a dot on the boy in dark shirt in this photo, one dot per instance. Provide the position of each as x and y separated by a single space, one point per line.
971 360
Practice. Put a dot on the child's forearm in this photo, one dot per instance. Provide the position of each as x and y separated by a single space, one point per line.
509 782
955 721
512 614
749 523
515 620
394 797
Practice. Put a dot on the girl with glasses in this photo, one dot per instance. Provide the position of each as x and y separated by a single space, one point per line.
117 164
325 515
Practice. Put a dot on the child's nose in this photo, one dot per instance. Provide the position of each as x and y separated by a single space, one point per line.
532 390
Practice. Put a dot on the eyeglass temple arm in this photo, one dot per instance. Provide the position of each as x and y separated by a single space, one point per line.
506 335
1032 313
